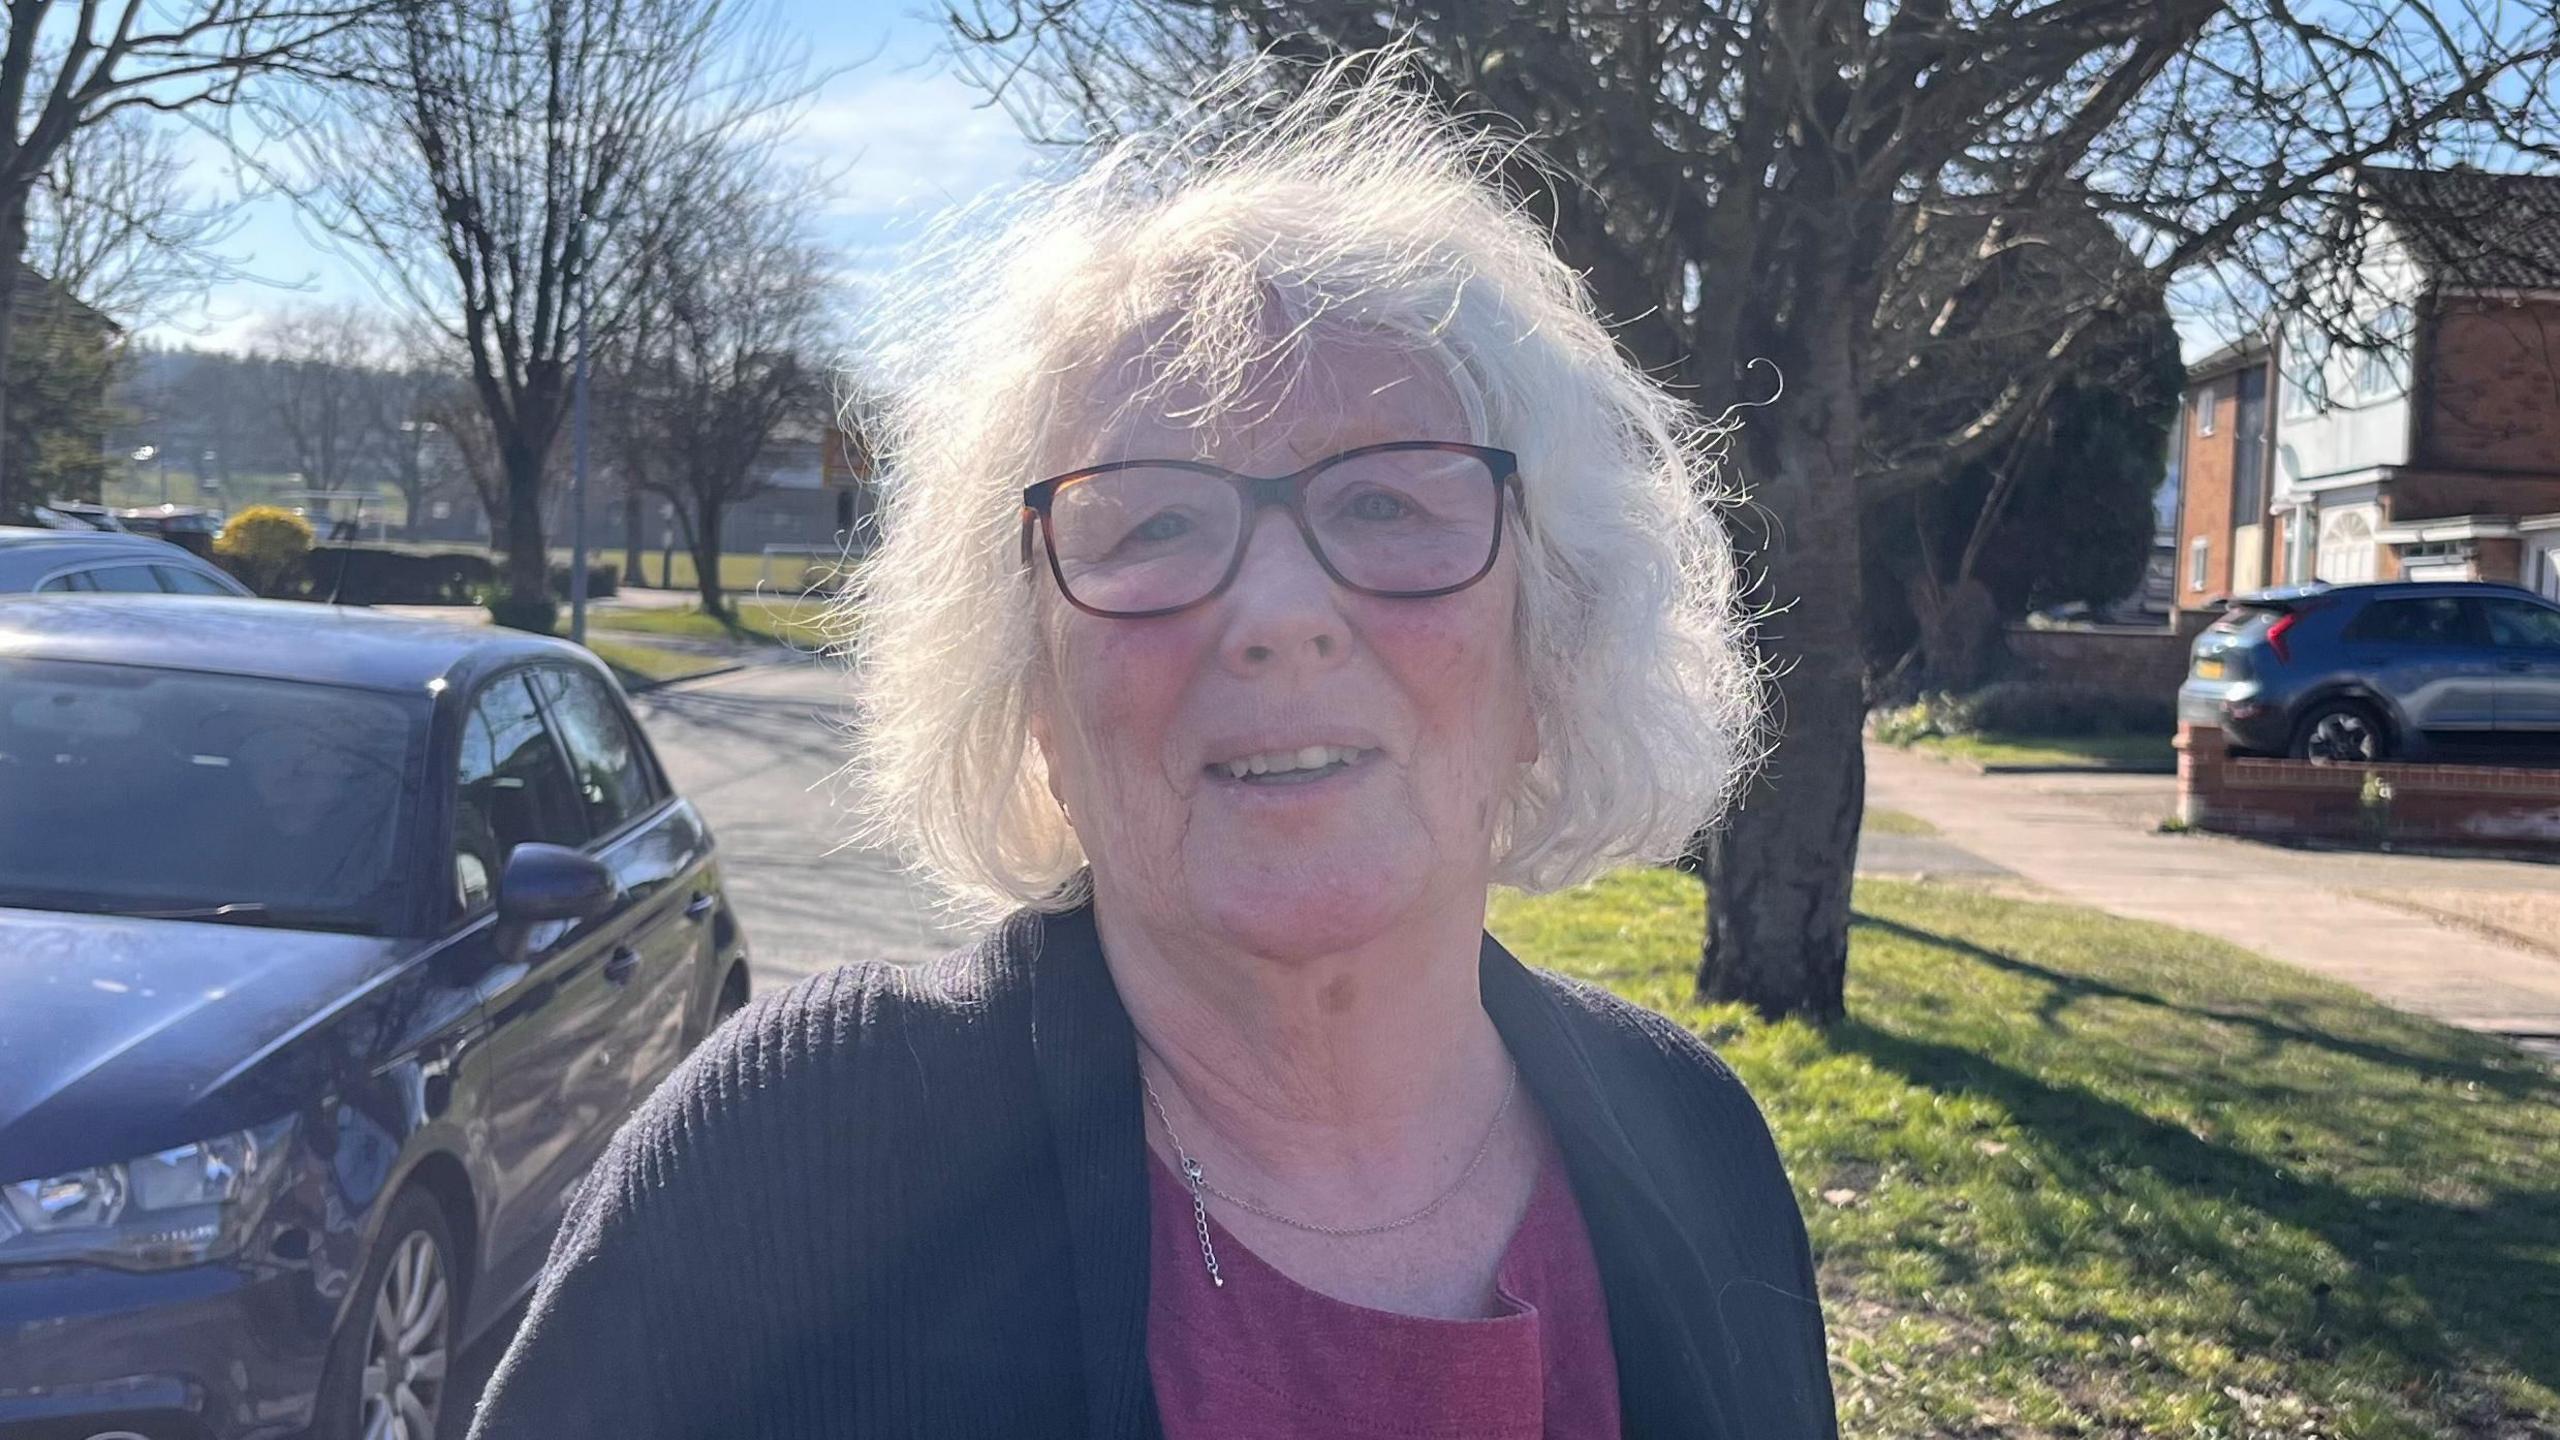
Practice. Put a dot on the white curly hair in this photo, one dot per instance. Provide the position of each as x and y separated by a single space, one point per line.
1253 232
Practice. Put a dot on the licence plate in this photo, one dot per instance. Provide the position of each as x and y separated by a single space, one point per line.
2208 669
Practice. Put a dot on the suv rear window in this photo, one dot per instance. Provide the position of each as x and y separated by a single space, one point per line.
2429 620
2241 617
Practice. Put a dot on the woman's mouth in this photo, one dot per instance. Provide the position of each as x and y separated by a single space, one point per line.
1290 767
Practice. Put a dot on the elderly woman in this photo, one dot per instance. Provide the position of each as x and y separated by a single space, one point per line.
1280 555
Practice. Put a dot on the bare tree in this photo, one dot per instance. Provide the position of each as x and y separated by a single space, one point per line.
118 223
400 430
725 354
65 68
317 364
511 163
1744 180
453 408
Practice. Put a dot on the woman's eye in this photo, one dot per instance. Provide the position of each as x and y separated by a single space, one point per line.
1160 527
1377 505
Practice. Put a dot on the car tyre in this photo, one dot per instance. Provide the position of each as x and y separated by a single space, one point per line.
388 1365
733 997
2341 732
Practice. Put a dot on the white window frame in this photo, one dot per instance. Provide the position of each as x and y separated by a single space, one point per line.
2199 558
2206 403
2384 369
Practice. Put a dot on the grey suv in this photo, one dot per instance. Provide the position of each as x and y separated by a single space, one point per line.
2377 672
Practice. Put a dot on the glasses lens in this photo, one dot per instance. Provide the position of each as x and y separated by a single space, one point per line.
1406 520
1143 539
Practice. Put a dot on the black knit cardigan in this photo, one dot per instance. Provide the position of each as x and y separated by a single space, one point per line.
913 1203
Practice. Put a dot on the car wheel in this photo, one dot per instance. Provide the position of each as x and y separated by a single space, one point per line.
387 1367
2346 732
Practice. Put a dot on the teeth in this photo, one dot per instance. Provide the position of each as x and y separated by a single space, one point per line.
1281 762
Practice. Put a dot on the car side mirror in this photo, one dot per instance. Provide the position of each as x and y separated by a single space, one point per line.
553 882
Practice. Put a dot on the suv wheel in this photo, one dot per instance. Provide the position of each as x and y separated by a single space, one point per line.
2346 732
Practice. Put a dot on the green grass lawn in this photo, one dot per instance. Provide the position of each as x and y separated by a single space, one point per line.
2072 1175
801 624
2070 752
740 575
743 576
639 665
1881 821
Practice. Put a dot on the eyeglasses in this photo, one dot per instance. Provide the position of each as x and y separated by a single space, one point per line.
1405 520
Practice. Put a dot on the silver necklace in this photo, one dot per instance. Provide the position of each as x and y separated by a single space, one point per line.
1201 1189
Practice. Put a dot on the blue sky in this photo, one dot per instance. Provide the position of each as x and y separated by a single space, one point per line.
909 137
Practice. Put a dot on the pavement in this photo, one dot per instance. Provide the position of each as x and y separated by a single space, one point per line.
2094 839
759 751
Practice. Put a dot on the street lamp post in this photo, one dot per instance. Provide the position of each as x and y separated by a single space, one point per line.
578 478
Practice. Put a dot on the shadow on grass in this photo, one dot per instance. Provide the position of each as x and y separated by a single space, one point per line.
2167 1200
2065 989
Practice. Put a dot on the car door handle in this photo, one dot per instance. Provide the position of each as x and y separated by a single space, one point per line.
619 968
702 906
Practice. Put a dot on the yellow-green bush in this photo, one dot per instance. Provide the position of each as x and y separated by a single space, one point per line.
265 545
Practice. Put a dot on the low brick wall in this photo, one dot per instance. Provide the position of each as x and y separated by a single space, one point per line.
2466 806
2137 662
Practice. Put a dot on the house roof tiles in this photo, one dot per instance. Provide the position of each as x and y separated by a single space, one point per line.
2473 229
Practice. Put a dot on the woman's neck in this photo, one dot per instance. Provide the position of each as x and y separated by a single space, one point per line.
1346 1077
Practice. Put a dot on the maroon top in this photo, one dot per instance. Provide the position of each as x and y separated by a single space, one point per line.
1266 1358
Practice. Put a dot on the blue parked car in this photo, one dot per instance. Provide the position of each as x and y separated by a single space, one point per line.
2379 672
334 949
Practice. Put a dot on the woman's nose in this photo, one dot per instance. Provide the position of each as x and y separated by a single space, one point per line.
1283 609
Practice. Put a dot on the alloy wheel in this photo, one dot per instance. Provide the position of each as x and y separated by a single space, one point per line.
407 1344
2344 735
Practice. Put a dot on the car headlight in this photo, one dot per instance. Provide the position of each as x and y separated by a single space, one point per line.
174 1207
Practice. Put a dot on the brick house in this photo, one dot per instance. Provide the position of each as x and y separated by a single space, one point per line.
2221 458
2431 453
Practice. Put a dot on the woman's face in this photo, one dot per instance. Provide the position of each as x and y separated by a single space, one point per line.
1138 719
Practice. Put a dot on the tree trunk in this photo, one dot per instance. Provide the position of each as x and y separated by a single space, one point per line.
1778 875
1959 647
528 562
17 497
706 557
634 544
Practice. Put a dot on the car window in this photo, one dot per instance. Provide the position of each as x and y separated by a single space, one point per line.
2524 624
2432 620
511 787
612 770
73 581
178 580
125 579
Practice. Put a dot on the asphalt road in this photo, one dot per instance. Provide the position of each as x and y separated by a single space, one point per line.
758 751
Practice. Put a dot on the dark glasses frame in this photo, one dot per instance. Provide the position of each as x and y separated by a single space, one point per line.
1257 492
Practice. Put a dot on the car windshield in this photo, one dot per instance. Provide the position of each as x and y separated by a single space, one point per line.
134 791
